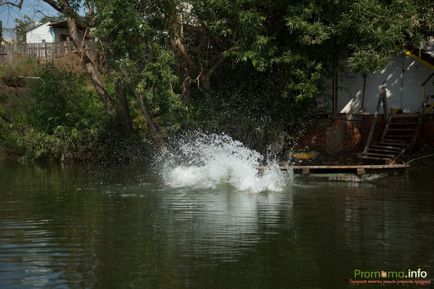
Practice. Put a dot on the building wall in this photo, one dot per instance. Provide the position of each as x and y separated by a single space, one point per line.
43 32
404 77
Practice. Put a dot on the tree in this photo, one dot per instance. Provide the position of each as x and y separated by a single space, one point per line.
115 101
22 26
166 56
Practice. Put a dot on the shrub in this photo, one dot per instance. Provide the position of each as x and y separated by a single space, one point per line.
61 120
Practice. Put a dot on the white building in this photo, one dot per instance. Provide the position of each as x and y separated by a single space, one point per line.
404 76
50 32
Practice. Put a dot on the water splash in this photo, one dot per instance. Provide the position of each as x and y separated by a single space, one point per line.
205 161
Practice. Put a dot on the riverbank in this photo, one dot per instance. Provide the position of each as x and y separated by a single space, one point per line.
59 117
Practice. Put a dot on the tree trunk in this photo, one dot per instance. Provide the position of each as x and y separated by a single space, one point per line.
119 111
186 86
177 43
153 127
122 114
204 81
205 76
91 68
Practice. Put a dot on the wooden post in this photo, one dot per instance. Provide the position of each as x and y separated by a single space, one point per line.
45 49
67 46
364 91
426 95
385 105
377 110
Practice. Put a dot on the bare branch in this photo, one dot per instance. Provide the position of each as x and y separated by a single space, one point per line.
64 8
56 5
19 5
42 13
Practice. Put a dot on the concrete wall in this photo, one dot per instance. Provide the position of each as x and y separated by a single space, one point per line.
42 32
404 77
342 134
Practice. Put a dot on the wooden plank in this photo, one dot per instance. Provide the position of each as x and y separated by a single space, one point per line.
401 129
378 155
359 170
387 160
395 148
398 136
403 123
349 167
338 177
404 115
383 150
401 146
393 141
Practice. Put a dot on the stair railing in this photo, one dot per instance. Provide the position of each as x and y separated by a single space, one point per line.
425 93
382 99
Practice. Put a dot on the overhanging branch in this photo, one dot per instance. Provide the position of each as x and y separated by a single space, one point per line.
19 5
56 5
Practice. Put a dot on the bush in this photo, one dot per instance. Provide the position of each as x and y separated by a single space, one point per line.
61 120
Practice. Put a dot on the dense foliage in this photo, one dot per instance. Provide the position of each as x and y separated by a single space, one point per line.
57 118
250 66
247 67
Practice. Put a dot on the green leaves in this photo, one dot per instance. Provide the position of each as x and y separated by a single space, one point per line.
22 25
379 29
305 25
61 119
367 60
268 59
156 81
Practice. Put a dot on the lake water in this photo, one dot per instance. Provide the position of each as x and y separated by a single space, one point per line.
123 227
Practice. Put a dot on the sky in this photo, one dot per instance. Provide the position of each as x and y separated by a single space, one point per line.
35 9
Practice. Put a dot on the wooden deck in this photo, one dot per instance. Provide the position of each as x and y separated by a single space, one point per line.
344 169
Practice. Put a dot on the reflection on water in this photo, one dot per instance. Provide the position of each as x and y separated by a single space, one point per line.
122 228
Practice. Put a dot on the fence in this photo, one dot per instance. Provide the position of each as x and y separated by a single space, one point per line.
45 51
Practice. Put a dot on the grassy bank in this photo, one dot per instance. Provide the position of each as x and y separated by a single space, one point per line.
55 115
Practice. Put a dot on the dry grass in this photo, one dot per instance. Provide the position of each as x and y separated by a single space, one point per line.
70 62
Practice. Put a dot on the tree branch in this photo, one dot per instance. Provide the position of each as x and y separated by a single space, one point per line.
179 46
56 5
91 68
63 7
19 5
177 36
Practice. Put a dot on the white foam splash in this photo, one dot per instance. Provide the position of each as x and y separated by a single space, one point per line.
208 160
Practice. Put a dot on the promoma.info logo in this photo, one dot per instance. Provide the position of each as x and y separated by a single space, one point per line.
418 277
